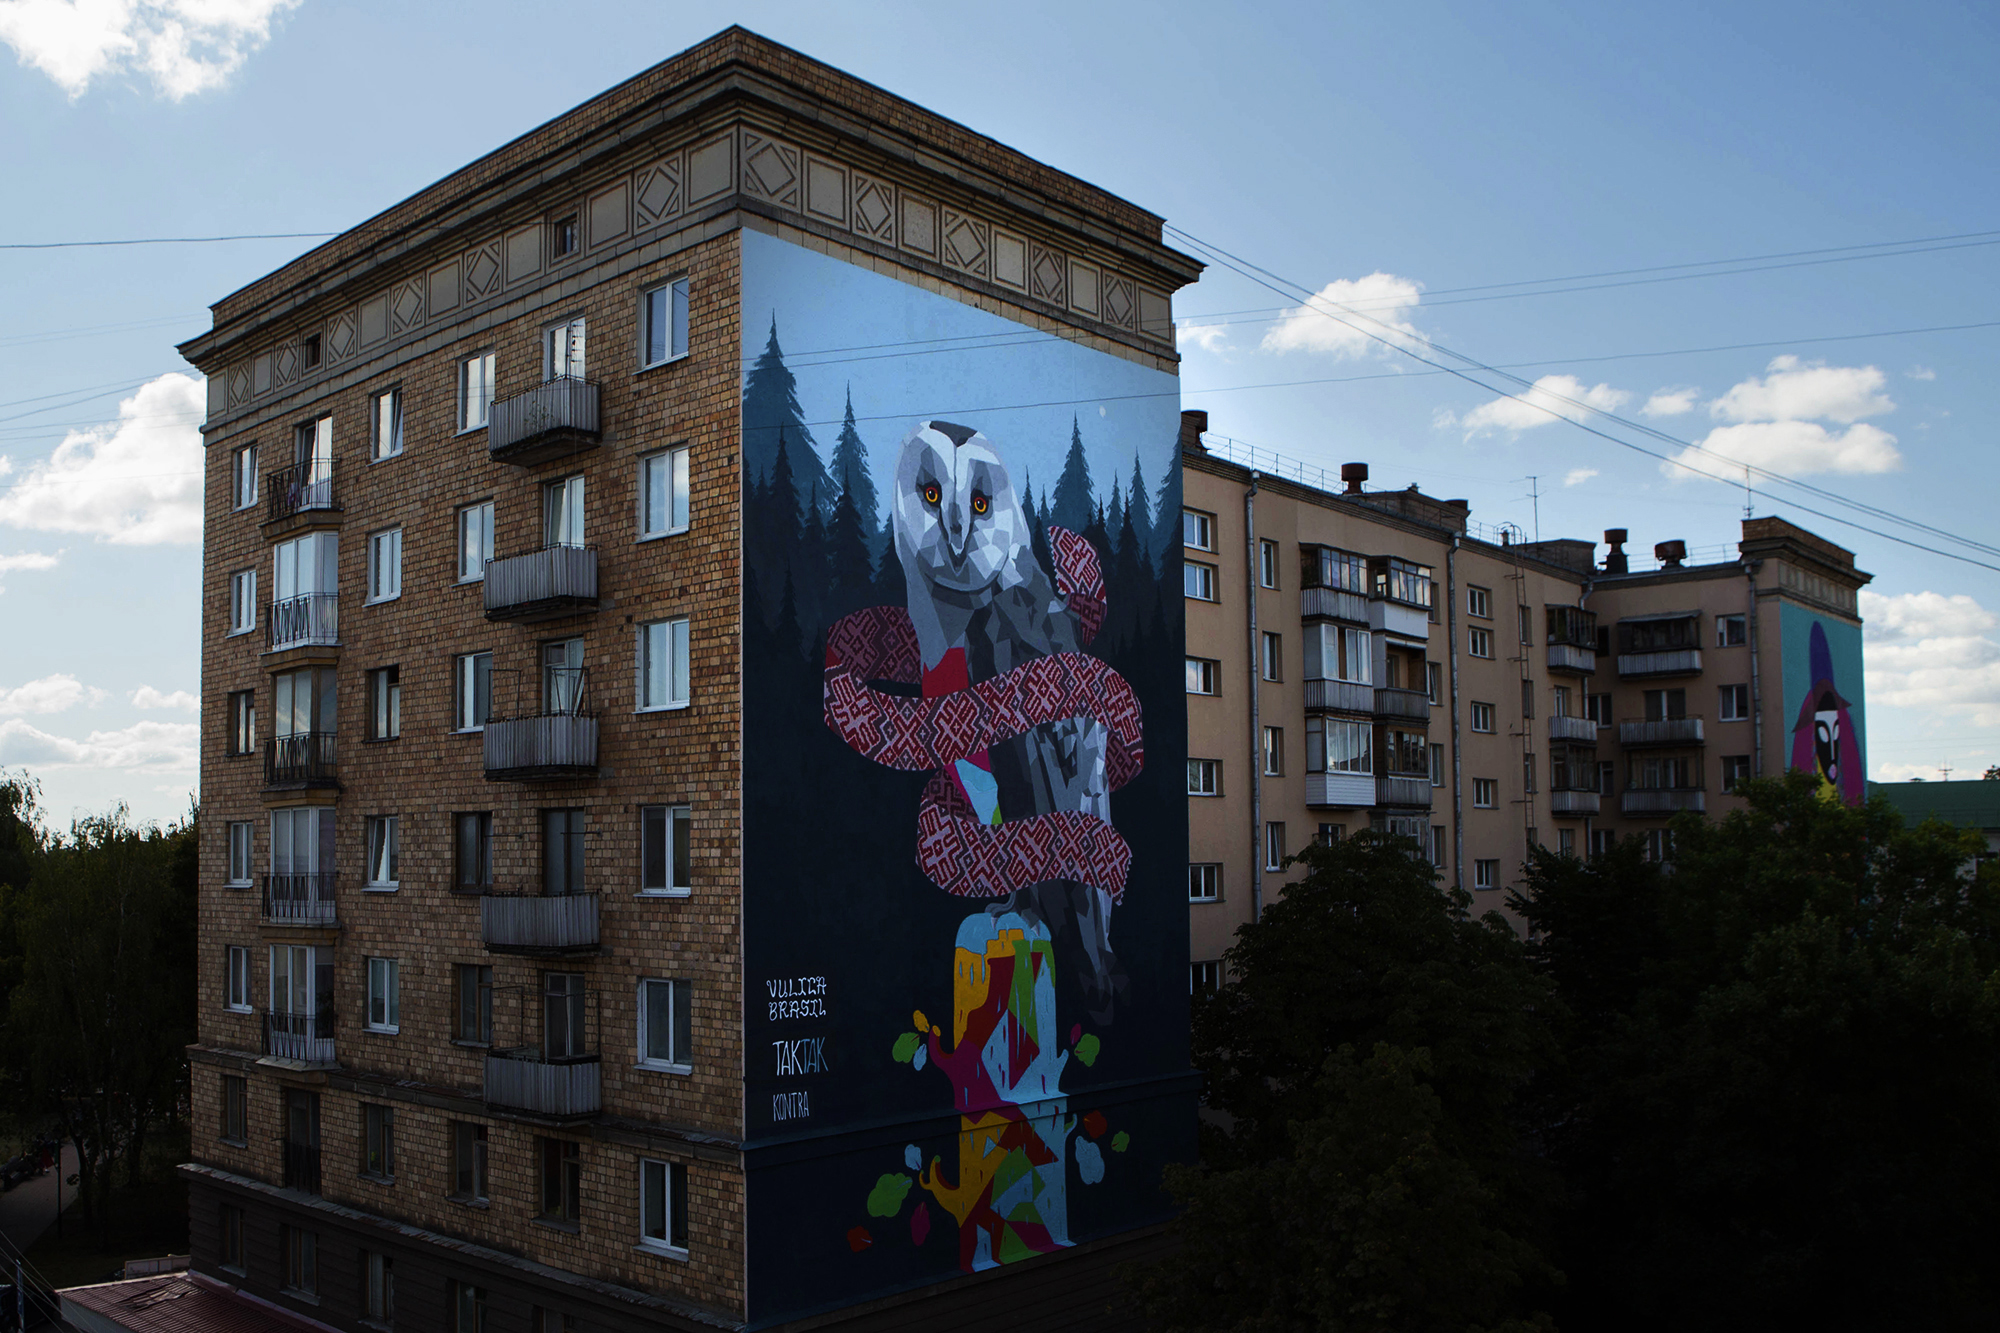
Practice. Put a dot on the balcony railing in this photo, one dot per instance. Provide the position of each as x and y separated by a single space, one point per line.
1354 791
1340 696
309 619
1403 789
1573 803
542 585
535 924
1572 729
1409 705
1569 657
1662 800
1665 731
307 1037
298 489
545 745
300 899
548 421
561 1090
308 760
1333 604
1670 662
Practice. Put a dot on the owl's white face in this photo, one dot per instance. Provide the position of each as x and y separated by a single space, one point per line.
958 524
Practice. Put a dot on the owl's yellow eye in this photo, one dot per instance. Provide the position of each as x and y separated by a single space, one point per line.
979 503
931 493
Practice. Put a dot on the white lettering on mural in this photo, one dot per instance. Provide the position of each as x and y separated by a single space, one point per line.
807 1055
797 997
791 1106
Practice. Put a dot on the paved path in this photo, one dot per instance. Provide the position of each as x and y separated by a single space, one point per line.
29 1209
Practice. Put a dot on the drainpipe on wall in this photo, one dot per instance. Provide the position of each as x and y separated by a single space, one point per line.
1256 714
1750 568
1589 824
1457 761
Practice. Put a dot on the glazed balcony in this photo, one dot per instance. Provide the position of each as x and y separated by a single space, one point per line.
1403 789
568 1089
303 899
1580 729
1333 604
298 763
1571 659
1662 800
1339 696
1342 791
547 584
1403 705
549 421
1661 731
546 926
309 620
305 1038
1666 662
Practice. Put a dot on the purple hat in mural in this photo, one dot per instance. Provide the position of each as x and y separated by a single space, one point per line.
1823 737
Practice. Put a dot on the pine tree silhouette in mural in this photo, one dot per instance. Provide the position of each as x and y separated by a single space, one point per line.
1136 510
770 415
849 468
1075 505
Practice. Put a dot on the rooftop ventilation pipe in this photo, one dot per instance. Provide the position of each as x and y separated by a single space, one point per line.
1614 559
1353 474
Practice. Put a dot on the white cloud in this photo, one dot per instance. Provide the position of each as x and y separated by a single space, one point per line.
1912 617
1378 304
1920 373
1795 391
183 46
1670 402
1931 651
136 481
1533 407
164 747
148 697
28 560
1579 475
1778 425
1213 338
50 694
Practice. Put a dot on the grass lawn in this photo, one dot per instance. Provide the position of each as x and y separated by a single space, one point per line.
144 1221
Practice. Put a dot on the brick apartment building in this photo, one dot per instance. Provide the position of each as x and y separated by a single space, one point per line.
487 774
1370 659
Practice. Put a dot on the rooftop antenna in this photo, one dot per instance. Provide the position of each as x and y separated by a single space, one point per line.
1749 509
1535 494
1944 772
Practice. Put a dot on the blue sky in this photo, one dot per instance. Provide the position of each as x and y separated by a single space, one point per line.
1406 152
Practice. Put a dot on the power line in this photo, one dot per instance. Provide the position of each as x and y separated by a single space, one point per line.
173 240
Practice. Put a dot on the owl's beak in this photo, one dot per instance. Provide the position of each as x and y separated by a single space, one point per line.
956 532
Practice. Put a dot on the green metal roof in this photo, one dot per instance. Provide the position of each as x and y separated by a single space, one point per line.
1973 804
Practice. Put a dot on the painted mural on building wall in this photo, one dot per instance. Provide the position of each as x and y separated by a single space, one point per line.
1823 701
964 729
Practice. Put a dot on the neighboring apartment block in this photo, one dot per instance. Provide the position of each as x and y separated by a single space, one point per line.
665 680
1358 659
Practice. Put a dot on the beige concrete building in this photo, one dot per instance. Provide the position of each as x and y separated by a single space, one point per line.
1371 659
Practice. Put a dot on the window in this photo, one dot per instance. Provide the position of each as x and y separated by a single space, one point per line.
474 1019
378 1140
1528 772
385 565
1336 653
562 851
385 703
1566 842
562 512
1731 631
1735 770
1735 705
562 351
1204 978
1334 745
1204 777
309 352
1274 752
385 424
666 849
1486 873
475 541
1479 642
1405 754
1527 626
1434 683
1607 778
1659 636
1527 698
1663 772
1485 794
240 834
1659 844
242 737
1267 563
1601 840
1666 705
1479 602
1198 581
1325 567
301 1260
475 391
301 841
1329 834
235 1108
468 1160
663 1199
1437 765
664 323
1274 846
663 664
1437 845
243 477
561 1171
1559 701
243 601
562 237
1201 675
1482 718
1399 580
379 1300
302 702
384 1007
1197 530
232 1237
1204 882
383 850
1597 707
1274 656
468 1307
665 1025
472 852
473 674
663 493
236 979
553 1321
305 567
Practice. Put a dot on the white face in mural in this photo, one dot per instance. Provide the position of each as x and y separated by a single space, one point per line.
958 525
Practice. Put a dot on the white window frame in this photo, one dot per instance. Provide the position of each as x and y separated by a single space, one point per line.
1271 656
464 685
1204 881
1477 639
1267 563
1481 712
1274 752
1486 873
384 996
673 819
1437 764
1274 844
1204 777
673 297
385 566
572 336
1198 581
380 1284
384 843
236 979
480 517
241 835
677 694
1726 701
385 703
242 602
1204 671
679 494
380 449
656 1174
1488 788
680 993
476 376
1722 624
1479 601
242 470
1198 530
1204 976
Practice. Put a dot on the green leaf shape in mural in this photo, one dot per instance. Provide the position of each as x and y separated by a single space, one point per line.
1120 1141
1086 1049
906 1047
886 1199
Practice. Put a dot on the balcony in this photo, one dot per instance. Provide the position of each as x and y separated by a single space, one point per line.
1403 789
1407 705
308 620
305 1039
1572 804
542 747
1399 618
303 899
1351 791
1665 731
1580 729
549 421
1662 800
547 584
1333 604
1339 696
1669 662
537 925
304 489
559 1089
1568 657
298 763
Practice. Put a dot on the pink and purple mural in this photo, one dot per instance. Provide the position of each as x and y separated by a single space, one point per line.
1823 707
